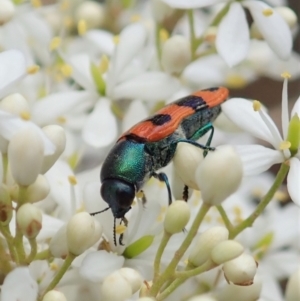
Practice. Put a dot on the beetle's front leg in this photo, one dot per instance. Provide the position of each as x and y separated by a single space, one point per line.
163 178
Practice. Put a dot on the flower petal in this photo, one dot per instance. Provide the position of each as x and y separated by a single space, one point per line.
257 159
101 126
97 265
19 285
132 40
240 111
233 36
150 86
296 108
81 72
136 112
272 27
293 180
13 68
192 3
102 39
49 108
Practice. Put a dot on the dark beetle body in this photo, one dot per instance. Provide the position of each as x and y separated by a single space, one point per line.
151 145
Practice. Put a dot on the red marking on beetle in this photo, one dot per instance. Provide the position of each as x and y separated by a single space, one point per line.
213 98
150 132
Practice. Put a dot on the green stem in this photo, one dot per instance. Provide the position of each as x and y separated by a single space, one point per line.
20 247
45 254
168 273
22 196
190 14
4 166
248 222
181 277
63 269
158 42
5 261
225 218
33 252
10 243
159 253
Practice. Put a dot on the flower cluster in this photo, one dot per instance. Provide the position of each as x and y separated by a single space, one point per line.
74 75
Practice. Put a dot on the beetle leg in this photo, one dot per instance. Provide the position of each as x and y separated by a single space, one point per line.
185 194
163 178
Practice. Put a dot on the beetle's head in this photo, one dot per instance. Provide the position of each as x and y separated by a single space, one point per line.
118 195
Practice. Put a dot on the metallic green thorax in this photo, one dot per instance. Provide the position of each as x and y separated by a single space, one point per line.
126 161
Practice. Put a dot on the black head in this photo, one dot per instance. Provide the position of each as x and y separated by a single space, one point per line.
118 195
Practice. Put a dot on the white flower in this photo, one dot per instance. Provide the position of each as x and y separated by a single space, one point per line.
233 35
257 158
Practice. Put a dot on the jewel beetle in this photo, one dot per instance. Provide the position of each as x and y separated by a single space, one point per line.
151 144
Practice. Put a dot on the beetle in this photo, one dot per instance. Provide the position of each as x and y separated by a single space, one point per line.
151 144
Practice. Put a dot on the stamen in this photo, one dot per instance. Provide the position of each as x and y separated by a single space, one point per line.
284 145
286 75
33 69
25 115
120 229
55 43
256 105
163 35
72 179
81 27
267 12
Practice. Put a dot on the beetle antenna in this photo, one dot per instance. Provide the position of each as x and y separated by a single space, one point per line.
94 213
115 240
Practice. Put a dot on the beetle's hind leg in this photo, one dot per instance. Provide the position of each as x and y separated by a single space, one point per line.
185 193
163 178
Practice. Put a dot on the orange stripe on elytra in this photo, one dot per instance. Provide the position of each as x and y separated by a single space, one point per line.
213 98
151 132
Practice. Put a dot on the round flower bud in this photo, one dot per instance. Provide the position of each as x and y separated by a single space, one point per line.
7 11
15 104
219 175
225 251
58 137
6 208
29 220
201 250
176 54
133 277
38 190
115 288
145 288
25 155
288 15
292 292
58 244
160 10
54 296
177 217
241 270
186 161
83 231
92 13
146 299
202 298
235 292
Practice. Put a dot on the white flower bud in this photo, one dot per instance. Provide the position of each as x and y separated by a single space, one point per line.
54 296
92 13
292 292
201 250
29 220
177 217
83 231
58 245
186 161
133 277
241 270
15 104
25 155
288 15
202 298
7 11
38 190
245 293
160 10
219 175
225 251
58 137
146 299
176 54
115 288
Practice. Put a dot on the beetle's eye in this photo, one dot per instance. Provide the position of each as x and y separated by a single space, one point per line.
125 195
